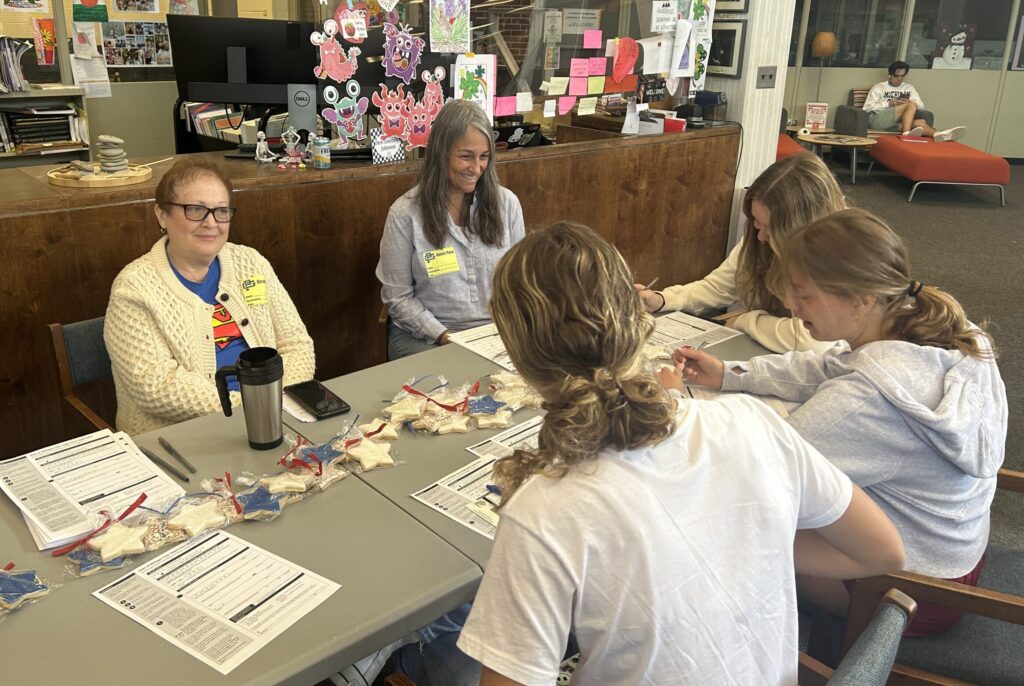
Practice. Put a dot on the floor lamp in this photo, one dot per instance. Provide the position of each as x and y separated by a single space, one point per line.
823 47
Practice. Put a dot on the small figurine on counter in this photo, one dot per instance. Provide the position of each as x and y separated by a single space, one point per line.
263 154
293 150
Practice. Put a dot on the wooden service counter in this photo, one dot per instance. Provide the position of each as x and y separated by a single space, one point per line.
665 201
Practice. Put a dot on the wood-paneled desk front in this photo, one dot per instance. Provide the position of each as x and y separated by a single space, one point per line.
429 458
665 201
395 576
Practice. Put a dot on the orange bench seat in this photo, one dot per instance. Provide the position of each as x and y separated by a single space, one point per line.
787 146
942 163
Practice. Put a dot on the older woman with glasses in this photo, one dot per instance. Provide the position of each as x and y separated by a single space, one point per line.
192 304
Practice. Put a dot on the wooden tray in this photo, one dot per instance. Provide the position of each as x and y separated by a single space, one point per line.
135 173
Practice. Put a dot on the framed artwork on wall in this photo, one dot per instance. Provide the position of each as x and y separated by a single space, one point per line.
726 56
731 6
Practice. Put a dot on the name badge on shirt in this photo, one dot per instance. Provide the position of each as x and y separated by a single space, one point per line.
438 262
254 290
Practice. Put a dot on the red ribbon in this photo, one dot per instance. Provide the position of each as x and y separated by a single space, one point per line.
71 546
289 461
457 407
371 434
9 566
227 482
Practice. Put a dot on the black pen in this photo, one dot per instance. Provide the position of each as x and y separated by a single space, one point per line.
176 455
164 463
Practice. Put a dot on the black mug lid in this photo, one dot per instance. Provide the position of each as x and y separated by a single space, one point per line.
258 366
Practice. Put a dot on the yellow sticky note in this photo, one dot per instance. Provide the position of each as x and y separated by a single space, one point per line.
595 85
254 290
588 106
439 262
558 86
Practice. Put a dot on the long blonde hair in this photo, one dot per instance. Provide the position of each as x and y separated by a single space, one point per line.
853 253
574 327
795 191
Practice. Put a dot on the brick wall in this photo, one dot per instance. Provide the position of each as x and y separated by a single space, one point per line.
514 26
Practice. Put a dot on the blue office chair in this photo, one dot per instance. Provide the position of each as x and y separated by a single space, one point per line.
82 361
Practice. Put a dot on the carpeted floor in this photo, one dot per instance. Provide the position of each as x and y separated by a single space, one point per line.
962 240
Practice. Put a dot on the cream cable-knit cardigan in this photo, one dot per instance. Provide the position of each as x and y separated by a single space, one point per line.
160 337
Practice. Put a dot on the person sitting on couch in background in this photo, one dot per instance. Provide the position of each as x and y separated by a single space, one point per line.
892 105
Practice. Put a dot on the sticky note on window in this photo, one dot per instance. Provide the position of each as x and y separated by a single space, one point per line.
610 47
588 106
578 86
504 106
565 103
524 101
549 108
592 39
558 85
579 66
595 85
598 66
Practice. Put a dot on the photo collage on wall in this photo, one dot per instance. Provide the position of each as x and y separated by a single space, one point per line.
136 44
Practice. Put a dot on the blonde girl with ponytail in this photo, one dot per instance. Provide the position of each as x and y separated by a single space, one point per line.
914 410
655 530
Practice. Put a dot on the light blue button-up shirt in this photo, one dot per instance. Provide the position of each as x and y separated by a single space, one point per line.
428 306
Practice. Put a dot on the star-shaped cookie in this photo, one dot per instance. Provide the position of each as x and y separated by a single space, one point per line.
371 455
195 519
286 482
119 540
409 407
454 424
498 420
389 432
17 587
484 404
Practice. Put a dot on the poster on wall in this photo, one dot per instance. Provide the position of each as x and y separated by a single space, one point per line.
136 44
702 14
449 26
552 57
552 26
42 37
183 7
954 48
577 21
137 5
26 5
83 40
89 10
475 80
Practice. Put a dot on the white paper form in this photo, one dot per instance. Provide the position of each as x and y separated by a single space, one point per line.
219 598
677 329
463 494
61 487
484 341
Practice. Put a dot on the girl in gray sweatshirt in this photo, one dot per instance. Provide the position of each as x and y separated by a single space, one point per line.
912 407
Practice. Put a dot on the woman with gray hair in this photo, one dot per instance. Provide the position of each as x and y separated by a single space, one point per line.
443 239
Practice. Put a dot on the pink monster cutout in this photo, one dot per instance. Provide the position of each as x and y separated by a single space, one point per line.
419 117
433 96
392 106
334 63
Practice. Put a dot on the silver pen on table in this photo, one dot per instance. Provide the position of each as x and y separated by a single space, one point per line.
175 454
164 463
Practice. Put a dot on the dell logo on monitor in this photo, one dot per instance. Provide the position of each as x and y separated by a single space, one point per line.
301 98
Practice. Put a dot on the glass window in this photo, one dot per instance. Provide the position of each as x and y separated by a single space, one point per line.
1017 59
867 31
794 38
960 34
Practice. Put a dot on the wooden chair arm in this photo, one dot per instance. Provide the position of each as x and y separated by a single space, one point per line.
1010 480
901 675
84 410
810 672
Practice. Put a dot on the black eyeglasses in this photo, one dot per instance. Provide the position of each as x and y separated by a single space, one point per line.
197 213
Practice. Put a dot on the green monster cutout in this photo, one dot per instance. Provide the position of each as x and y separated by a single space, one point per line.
701 62
700 9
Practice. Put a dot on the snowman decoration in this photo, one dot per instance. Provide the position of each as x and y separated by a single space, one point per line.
953 55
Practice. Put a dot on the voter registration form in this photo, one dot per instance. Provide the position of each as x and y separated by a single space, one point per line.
218 597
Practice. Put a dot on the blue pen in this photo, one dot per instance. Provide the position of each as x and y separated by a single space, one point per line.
491 488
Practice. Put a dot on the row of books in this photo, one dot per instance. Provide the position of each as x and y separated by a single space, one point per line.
11 77
213 120
36 128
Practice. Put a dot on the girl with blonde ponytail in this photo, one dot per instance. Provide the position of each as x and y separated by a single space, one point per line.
914 410
655 530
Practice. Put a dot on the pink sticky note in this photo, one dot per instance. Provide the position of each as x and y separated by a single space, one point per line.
566 102
598 66
592 39
579 66
504 106
578 86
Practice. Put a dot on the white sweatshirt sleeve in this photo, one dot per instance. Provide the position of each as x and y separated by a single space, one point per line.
716 290
916 98
793 376
876 100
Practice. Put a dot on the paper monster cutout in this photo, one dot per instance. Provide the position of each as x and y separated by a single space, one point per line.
419 119
119 540
433 95
335 63
402 52
346 113
347 19
391 103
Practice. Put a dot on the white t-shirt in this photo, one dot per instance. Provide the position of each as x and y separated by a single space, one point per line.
671 564
882 92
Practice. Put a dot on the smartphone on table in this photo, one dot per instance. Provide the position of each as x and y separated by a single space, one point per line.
317 399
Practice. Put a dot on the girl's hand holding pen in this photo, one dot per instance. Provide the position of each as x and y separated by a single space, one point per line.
698 367
652 300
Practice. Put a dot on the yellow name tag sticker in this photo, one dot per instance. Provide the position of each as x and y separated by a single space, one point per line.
254 290
438 262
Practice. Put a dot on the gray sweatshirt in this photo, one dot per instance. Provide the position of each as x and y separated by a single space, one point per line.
922 430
